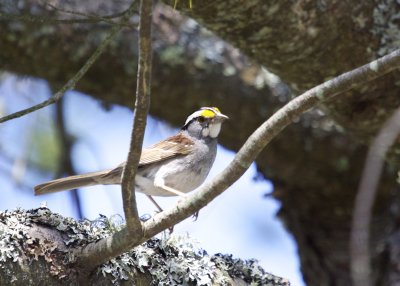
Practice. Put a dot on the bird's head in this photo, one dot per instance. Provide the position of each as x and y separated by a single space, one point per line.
205 122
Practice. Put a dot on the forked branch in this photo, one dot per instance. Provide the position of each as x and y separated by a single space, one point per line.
142 105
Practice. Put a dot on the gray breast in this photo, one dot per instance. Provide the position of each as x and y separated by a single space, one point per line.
184 173
191 171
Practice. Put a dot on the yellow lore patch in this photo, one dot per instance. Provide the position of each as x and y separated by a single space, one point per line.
210 112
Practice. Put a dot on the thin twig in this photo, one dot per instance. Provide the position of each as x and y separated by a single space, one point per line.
86 17
101 251
49 20
73 81
359 244
142 105
72 12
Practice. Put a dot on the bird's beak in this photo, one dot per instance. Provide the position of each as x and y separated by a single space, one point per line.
222 117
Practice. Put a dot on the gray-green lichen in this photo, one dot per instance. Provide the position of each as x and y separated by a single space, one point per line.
20 239
171 260
177 260
11 231
386 25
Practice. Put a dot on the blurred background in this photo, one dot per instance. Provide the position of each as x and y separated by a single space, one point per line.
294 206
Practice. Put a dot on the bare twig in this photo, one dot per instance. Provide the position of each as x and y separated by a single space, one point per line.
142 105
88 19
359 244
72 12
121 241
73 81
84 17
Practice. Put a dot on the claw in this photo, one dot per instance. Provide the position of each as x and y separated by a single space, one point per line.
195 216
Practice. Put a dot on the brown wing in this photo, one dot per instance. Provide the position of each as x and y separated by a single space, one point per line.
171 147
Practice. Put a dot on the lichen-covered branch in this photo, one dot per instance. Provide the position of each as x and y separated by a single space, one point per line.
120 241
142 106
35 246
359 244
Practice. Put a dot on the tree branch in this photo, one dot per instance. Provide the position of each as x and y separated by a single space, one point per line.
104 18
142 105
359 243
265 133
121 241
88 19
73 81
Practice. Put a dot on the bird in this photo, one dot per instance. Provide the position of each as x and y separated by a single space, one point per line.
172 167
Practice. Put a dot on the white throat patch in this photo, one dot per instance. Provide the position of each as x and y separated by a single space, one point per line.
214 129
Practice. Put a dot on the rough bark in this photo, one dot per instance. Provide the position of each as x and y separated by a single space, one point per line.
315 164
37 244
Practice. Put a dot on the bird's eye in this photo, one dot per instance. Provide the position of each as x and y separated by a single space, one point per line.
201 119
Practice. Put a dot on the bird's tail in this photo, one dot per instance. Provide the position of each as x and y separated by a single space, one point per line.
90 179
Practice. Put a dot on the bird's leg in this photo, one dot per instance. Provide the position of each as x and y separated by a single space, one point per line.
155 203
195 216
160 184
171 229
183 195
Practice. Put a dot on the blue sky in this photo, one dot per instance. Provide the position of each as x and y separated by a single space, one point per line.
241 221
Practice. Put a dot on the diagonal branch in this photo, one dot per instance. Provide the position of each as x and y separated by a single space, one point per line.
73 81
359 243
142 105
265 133
101 251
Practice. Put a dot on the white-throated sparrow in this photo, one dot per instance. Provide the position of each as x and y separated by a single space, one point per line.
174 166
